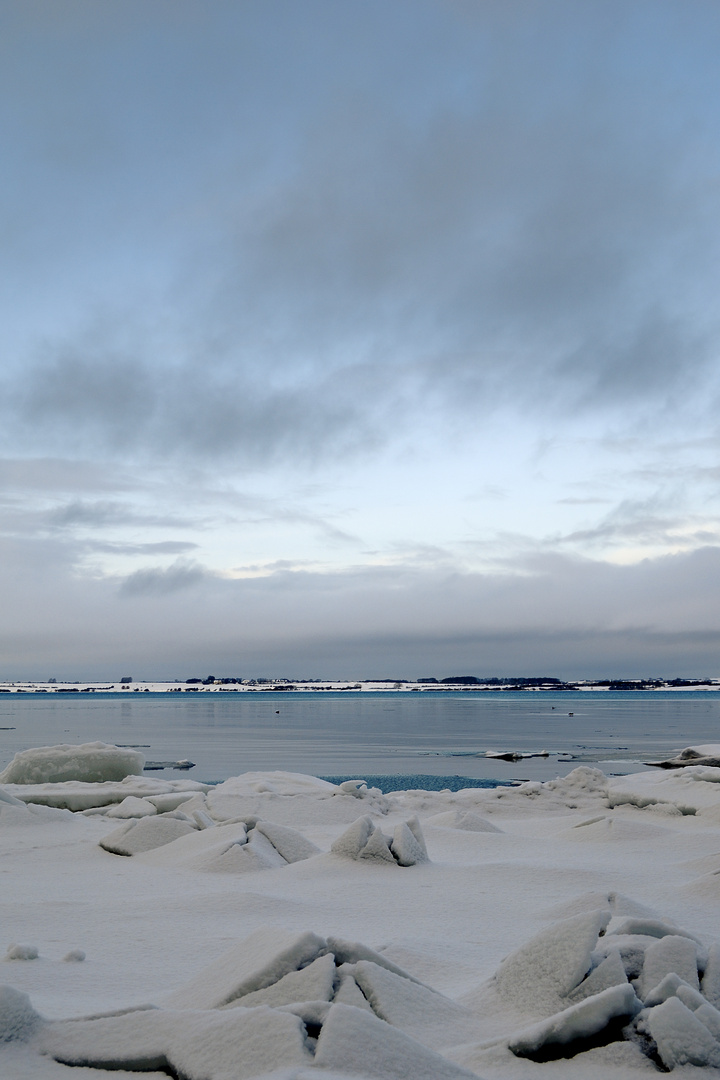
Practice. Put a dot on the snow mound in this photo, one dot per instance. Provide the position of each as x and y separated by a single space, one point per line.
277 782
75 956
689 789
145 835
582 788
466 820
90 762
293 799
18 1019
365 840
22 952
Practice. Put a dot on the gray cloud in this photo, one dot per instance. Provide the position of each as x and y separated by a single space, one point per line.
101 514
657 520
590 501
157 581
545 613
161 547
58 475
544 237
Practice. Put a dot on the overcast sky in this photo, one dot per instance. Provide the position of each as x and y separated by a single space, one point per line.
374 338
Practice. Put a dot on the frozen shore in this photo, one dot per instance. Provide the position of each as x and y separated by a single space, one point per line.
279 925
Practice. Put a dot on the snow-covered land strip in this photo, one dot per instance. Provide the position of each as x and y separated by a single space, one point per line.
281 925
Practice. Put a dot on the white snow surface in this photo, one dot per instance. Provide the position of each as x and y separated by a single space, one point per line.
511 953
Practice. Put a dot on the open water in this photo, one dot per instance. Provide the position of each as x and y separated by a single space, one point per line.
378 734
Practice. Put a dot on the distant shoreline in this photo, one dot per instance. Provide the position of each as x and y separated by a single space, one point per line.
252 686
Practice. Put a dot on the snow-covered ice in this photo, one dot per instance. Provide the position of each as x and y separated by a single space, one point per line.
279 925
92 762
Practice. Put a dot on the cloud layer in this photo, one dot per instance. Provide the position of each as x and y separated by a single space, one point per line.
360 333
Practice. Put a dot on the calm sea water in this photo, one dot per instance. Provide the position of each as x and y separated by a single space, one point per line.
366 733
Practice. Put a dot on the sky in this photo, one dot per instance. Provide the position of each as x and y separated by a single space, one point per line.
373 339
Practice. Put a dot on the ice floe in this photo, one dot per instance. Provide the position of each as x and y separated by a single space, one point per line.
653 1001
90 762
77 795
203 845
145 835
268 1004
366 840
